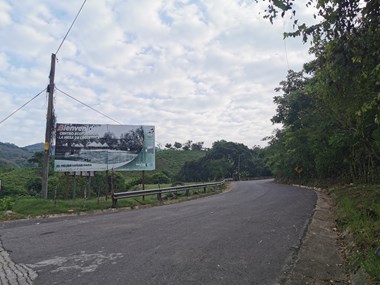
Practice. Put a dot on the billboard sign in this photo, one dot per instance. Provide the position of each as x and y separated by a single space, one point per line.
91 147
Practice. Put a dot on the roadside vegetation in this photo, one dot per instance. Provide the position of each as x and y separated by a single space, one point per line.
328 136
358 218
12 208
20 195
329 115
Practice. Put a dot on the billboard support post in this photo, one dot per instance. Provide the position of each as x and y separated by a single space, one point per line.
74 186
143 183
49 128
107 184
112 183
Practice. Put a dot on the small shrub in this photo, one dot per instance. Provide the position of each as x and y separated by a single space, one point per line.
34 186
6 203
131 184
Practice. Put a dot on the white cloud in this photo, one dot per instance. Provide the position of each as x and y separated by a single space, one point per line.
5 18
197 70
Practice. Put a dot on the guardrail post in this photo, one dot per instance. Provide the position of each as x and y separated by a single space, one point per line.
187 192
114 202
159 197
204 189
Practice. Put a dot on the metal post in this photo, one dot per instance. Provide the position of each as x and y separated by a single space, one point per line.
112 182
84 196
143 183
75 186
107 185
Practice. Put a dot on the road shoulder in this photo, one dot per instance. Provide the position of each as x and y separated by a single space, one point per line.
319 259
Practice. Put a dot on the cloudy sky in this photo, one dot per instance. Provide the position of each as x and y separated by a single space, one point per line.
196 70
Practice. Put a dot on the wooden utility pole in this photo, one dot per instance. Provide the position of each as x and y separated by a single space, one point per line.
49 128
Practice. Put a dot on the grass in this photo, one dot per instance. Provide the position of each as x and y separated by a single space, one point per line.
22 208
170 162
156 186
358 217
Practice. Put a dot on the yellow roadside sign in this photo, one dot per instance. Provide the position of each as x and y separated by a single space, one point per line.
298 169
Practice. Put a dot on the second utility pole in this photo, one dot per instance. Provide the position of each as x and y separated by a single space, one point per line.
49 129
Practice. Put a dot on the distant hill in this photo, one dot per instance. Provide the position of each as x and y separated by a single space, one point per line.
34 147
167 161
170 162
13 156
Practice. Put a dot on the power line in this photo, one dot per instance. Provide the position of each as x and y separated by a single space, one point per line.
14 112
285 47
88 106
72 24
286 54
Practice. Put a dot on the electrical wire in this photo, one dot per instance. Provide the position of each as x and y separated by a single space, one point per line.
285 47
88 106
14 112
72 24
286 54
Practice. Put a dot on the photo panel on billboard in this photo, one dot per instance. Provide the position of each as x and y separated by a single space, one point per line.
95 147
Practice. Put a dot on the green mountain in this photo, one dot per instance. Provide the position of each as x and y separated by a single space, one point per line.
11 156
34 147
170 162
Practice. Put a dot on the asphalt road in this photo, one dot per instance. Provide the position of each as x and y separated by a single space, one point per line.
244 236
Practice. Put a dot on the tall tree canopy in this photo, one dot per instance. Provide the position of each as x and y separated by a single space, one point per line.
226 160
330 117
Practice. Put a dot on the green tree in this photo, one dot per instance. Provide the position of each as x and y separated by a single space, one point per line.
225 160
187 145
177 145
344 87
197 146
160 178
37 158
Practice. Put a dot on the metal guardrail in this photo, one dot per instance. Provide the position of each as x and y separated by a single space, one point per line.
160 191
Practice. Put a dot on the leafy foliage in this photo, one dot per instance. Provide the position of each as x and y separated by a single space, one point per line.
6 203
358 209
226 160
14 181
170 162
331 126
330 117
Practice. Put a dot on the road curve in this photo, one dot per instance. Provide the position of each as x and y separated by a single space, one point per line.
244 236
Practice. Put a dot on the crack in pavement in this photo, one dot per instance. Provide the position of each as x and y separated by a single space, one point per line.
12 273
82 261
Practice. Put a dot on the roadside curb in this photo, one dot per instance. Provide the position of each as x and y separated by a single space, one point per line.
319 259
